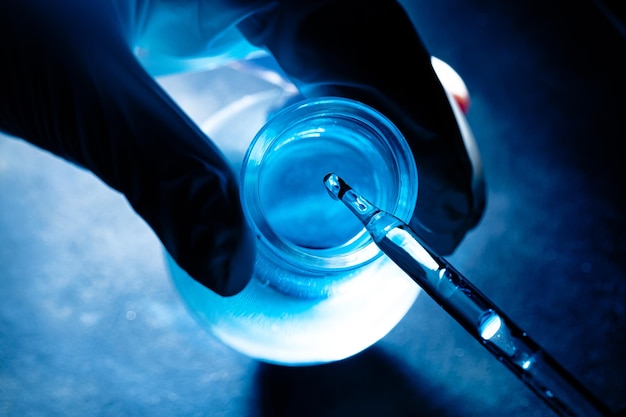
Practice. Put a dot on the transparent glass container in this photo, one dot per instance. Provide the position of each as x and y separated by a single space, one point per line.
321 289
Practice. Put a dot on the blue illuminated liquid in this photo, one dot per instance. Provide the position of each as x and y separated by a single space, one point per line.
489 325
319 292
296 204
292 195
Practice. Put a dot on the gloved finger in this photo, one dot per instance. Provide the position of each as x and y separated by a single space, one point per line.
371 52
77 91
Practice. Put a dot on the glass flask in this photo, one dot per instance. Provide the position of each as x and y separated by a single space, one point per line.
321 289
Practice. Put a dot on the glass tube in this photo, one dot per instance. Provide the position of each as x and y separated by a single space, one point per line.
467 305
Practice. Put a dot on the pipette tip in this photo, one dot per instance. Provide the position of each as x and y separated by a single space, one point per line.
340 190
335 186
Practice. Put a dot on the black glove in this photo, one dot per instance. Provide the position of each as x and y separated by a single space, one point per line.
72 85
371 52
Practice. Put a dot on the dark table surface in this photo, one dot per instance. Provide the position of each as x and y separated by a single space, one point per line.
90 324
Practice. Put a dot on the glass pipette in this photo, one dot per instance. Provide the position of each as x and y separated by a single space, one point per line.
468 306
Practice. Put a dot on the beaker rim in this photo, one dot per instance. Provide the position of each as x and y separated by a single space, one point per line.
360 249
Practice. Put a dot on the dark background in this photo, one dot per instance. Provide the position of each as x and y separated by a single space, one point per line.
90 323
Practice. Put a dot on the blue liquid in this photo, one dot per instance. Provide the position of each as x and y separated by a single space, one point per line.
319 292
295 201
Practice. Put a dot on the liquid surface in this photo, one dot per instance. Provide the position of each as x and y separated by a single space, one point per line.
295 201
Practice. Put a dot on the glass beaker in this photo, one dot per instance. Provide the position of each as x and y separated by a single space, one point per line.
321 290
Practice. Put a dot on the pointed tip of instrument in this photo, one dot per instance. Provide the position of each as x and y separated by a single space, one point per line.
335 186
339 190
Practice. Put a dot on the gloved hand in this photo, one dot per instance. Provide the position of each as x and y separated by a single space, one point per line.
371 52
72 85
